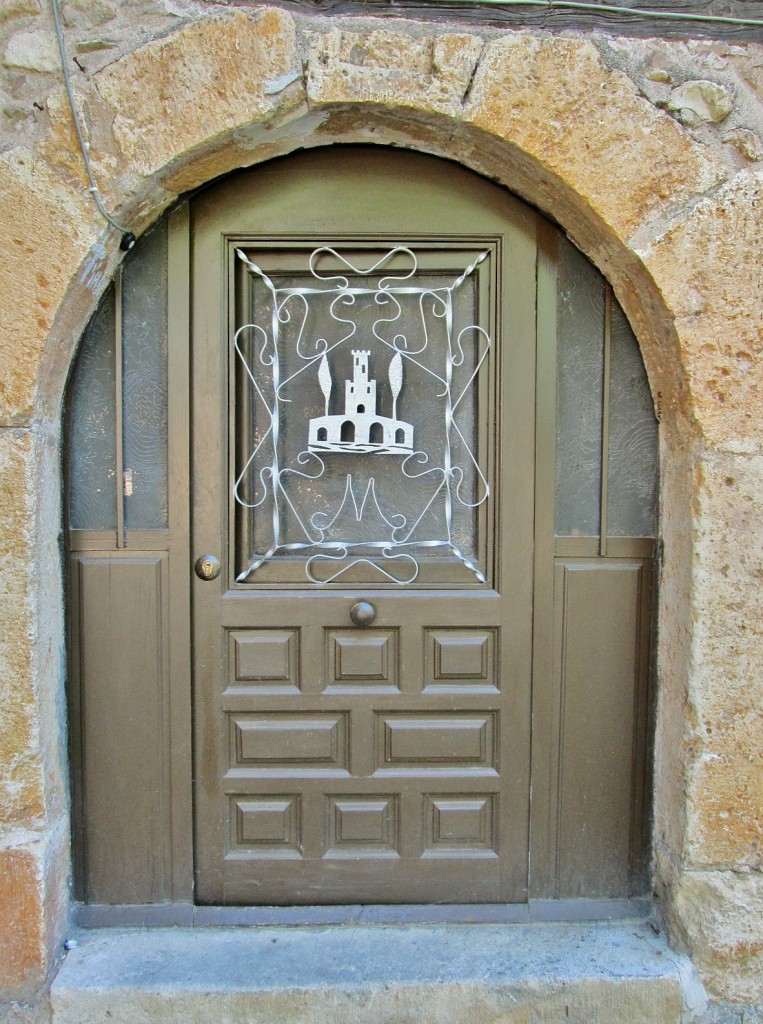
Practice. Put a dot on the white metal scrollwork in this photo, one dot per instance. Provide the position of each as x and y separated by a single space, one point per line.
320 494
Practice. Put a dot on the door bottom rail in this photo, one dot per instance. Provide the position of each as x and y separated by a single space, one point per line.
188 915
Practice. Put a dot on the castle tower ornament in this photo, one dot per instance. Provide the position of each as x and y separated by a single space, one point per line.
360 428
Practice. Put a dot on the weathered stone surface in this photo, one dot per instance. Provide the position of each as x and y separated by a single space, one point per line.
674 638
14 8
733 1013
47 230
705 265
746 141
556 100
21 787
392 68
33 877
22 917
33 51
725 797
209 78
608 974
702 101
34 1011
721 918
86 13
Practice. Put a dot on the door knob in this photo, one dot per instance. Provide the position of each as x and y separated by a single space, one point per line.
207 567
363 613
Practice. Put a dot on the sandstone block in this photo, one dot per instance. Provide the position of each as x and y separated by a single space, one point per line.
47 229
33 890
707 267
33 51
179 94
556 101
21 787
392 68
22 919
725 796
721 916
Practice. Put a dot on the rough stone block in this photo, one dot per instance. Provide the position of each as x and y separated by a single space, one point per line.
708 267
21 788
33 51
17 8
33 890
181 93
725 797
555 99
721 922
47 230
392 68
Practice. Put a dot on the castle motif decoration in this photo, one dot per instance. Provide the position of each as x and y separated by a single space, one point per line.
360 428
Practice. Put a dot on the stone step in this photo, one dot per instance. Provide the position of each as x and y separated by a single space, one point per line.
612 973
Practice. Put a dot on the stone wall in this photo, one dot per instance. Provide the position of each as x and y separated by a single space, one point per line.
648 152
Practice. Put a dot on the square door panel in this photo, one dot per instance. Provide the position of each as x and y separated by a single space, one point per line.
267 826
460 659
442 742
362 826
266 659
461 824
289 742
362 659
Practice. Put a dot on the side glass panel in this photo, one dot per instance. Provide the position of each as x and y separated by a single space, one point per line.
144 360
632 451
113 429
604 414
579 390
92 426
361 381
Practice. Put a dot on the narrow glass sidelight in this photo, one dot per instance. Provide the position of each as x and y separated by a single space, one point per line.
117 472
360 449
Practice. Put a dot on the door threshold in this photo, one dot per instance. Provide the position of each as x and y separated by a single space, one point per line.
618 973
187 915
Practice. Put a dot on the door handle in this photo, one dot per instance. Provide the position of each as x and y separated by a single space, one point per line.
363 613
207 567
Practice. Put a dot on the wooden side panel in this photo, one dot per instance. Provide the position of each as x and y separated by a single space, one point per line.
600 614
120 726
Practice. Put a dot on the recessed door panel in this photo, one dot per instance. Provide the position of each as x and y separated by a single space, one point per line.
364 344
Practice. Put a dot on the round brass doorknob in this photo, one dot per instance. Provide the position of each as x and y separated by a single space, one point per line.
363 613
207 567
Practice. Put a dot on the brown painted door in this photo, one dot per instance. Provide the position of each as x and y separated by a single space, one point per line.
363 448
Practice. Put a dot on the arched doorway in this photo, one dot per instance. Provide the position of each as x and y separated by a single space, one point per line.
546 519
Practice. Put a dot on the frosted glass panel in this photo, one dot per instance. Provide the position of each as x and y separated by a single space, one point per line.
92 419
580 341
144 312
632 461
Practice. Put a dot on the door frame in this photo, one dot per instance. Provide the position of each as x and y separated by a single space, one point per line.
546 699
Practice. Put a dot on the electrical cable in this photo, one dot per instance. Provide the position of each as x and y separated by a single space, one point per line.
128 238
581 5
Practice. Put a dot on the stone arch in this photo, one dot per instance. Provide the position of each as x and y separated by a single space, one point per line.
546 117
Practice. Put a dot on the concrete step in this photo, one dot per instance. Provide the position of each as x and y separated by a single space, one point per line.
601 973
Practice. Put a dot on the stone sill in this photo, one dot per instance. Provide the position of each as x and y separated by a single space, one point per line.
574 973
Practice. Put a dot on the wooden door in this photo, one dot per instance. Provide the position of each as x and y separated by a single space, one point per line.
363 341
